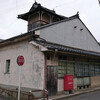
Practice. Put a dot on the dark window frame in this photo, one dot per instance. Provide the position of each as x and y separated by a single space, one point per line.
8 62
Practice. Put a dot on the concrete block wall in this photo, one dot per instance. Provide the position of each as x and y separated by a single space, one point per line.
95 81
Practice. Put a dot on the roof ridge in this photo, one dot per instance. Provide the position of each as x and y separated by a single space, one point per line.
38 6
34 6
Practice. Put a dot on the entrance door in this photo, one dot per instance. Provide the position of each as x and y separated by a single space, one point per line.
52 80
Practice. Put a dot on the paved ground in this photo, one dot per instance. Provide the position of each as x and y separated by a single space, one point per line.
4 98
88 96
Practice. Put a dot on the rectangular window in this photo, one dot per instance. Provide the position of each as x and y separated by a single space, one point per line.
86 70
70 68
97 69
62 69
79 70
7 66
92 70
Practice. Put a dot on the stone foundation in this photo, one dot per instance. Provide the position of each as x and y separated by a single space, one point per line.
24 95
13 94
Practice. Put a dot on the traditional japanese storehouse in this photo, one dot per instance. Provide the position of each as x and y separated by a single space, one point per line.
54 46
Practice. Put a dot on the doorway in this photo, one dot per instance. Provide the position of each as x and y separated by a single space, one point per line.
52 80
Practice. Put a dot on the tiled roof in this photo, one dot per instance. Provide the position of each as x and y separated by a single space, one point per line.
59 47
37 7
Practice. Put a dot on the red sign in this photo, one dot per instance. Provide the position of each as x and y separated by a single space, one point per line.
68 82
20 60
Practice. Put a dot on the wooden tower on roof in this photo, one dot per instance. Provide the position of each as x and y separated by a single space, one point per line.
38 16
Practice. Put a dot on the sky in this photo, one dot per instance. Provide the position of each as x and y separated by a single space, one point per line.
10 25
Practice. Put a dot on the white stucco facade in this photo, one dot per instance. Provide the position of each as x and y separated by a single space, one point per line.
32 70
72 33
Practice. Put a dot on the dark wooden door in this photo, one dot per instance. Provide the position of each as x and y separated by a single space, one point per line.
52 80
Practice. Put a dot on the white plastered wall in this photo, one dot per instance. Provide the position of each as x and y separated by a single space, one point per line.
32 70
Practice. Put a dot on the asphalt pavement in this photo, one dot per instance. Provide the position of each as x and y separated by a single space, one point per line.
87 96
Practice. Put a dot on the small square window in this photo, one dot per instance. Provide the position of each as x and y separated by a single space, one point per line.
48 57
7 66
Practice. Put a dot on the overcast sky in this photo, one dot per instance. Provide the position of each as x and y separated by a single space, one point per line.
89 11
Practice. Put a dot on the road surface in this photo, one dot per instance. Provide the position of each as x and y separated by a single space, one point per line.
88 96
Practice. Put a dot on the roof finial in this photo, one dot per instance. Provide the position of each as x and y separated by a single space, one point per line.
35 1
77 14
53 9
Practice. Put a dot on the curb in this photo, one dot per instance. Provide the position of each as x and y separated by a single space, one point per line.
59 97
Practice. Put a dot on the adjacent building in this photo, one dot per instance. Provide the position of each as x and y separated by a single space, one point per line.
53 46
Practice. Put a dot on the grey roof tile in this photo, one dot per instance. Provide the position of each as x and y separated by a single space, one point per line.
59 47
